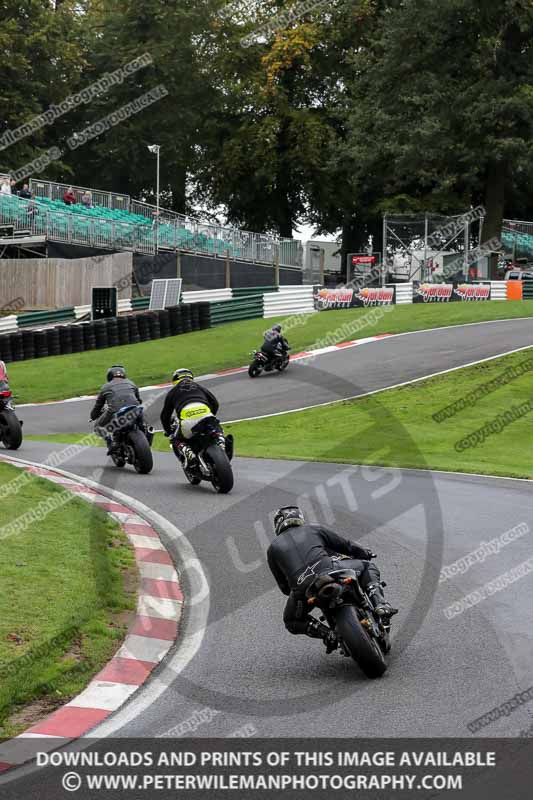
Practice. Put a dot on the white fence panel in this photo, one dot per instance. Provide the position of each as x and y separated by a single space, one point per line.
498 290
404 292
207 295
8 324
288 300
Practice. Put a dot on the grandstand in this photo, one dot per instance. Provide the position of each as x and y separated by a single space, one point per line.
117 222
517 236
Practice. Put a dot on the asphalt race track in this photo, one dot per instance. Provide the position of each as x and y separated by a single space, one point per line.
443 672
333 376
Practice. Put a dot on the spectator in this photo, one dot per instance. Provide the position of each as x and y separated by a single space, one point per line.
87 199
6 186
13 183
25 192
69 198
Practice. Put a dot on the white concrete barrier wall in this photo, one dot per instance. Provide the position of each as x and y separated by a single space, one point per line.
288 300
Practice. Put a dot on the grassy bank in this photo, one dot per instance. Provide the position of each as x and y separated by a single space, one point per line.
229 346
68 589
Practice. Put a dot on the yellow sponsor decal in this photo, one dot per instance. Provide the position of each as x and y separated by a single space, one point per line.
197 411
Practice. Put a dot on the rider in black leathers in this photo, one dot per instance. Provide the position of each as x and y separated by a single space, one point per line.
302 552
118 392
185 392
274 343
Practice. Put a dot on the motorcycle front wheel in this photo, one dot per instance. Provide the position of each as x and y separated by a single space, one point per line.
11 430
254 370
363 648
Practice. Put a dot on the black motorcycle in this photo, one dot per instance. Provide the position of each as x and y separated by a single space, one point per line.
348 611
213 452
10 425
132 439
261 362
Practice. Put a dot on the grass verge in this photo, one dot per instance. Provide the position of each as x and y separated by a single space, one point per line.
407 434
68 591
58 377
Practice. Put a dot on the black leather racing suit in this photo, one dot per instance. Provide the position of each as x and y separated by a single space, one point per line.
186 391
302 552
274 343
114 395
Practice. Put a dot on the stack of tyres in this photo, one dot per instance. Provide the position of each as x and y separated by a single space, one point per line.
195 317
52 335
6 353
28 344
76 335
186 318
174 317
89 336
164 322
17 348
41 344
205 315
123 330
65 339
100 332
144 327
112 332
133 329
153 321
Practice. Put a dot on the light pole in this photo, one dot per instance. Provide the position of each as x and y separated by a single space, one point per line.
155 148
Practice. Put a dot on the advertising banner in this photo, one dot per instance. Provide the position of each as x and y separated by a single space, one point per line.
450 292
345 297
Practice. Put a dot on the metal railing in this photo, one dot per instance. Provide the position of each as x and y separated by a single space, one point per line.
175 231
55 191
75 228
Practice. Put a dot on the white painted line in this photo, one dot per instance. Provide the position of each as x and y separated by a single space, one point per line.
384 389
144 648
160 607
103 694
160 572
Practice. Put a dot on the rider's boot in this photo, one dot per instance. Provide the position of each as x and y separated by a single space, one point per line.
316 630
382 607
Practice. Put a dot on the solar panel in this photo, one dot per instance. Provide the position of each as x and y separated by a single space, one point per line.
165 292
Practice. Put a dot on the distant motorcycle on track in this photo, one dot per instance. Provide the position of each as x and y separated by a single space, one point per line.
348 611
261 363
10 425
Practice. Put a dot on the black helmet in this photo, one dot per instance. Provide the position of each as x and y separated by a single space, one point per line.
179 374
116 372
286 517
277 328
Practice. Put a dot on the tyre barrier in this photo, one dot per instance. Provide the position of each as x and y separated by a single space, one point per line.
111 332
28 344
133 327
6 352
100 334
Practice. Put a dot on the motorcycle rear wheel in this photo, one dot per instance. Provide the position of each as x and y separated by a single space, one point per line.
222 478
363 648
144 461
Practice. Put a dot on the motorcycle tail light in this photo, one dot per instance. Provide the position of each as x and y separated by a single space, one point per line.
6 393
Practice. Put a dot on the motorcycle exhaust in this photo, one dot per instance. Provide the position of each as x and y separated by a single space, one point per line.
150 434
